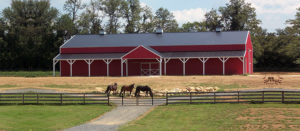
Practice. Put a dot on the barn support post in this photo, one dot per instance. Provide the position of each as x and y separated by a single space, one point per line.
107 61
160 61
223 59
122 62
183 60
165 64
54 63
89 62
203 60
127 67
71 62
242 59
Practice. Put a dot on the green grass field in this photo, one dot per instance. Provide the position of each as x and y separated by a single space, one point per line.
219 117
47 118
27 73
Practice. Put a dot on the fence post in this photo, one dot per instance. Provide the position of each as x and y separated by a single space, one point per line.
37 98
108 94
282 96
61 99
152 99
238 96
190 98
263 96
23 99
167 98
84 98
214 97
122 99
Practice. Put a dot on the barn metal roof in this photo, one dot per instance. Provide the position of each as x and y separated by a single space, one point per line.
203 54
89 56
152 39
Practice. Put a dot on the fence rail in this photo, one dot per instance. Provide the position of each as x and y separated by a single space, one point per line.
54 98
233 97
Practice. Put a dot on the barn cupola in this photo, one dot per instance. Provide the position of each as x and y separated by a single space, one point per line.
218 29
159 30
102 32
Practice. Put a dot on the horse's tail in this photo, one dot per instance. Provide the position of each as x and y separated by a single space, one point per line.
136 91
107 89
151 94
121 90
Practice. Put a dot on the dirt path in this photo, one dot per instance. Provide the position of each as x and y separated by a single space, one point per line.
121 115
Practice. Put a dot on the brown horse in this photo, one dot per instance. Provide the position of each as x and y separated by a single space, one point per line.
113 88
127 88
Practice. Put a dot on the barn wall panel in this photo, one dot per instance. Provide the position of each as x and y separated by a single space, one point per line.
233 66
80 68
213 66
98 68
174 67
64 68
115 68
193 67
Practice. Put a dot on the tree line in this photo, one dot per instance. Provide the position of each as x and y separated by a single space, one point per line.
31 31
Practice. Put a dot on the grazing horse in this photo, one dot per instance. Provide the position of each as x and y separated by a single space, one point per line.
143 88
127 88
113 88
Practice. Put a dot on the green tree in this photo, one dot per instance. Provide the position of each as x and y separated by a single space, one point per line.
90 20
146 24
165 19
72 7
195 26
212 20
113 9
132 11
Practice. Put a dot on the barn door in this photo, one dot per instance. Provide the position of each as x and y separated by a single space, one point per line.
148 69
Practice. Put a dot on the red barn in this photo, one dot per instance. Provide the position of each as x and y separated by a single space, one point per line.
189 53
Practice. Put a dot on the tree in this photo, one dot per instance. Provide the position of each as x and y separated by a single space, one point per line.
131 11
195 26
212 20
166 20
146 24
72 7
238 15
90 20
30 33
113 9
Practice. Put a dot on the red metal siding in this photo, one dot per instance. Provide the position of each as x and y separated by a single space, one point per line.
213 66
193 67
199 48
141 53
79 68
91 50
98 68
233 66
64 68
174 67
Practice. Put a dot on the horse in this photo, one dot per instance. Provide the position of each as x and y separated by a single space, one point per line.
113 88
127 88
143 88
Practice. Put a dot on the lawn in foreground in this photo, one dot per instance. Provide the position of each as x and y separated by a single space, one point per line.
27 73
220 117
47 118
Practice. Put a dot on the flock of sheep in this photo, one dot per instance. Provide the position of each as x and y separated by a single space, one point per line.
162 92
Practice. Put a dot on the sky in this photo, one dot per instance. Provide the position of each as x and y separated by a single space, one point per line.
272 13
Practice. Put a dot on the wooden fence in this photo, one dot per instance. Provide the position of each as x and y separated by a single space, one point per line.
234 97
54 98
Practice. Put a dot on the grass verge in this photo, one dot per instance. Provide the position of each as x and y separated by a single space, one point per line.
27 73
220 117
47 118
